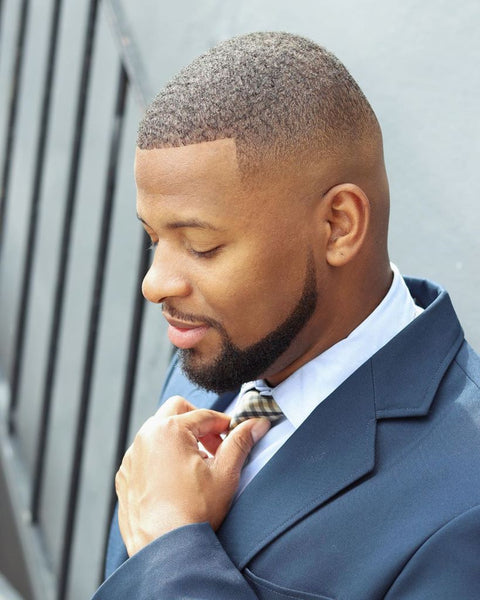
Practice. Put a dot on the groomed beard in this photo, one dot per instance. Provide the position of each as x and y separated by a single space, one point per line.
234 366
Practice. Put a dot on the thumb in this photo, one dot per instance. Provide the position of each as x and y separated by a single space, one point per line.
236 447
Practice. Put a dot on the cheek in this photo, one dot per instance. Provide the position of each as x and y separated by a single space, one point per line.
251 302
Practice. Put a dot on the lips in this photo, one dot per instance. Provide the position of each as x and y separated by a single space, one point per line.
183 334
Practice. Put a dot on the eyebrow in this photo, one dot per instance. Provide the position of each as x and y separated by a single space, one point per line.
197 223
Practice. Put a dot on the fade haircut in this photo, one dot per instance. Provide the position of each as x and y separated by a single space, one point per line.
279 96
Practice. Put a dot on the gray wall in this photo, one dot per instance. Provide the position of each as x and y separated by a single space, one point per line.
416 61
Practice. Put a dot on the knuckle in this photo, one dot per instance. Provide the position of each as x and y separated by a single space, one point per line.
168 429
145 429
153 430
119 479
177 399
208 413
204 413
172 402
173 405
170 423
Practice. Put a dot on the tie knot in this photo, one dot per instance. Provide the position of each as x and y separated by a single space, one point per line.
253 404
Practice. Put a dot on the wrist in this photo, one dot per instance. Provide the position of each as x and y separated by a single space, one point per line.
143 535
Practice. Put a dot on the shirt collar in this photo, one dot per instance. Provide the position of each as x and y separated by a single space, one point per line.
318 378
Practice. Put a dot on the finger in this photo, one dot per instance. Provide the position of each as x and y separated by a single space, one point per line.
233 452
175 405
211 442
202 422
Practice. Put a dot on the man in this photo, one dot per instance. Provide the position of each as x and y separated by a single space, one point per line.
262 185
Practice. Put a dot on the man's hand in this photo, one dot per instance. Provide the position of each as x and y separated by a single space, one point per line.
165 480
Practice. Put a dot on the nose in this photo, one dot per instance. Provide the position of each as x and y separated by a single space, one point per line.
164 279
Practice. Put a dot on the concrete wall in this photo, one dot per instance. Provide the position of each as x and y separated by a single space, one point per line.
416 61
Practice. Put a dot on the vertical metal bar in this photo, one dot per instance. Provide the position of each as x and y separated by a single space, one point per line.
12 115
64 251
90 351
134 66
33 218
129 383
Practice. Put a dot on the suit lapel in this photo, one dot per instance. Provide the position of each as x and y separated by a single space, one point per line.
335 446
332 449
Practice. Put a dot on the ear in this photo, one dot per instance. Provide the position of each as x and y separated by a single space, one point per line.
348 215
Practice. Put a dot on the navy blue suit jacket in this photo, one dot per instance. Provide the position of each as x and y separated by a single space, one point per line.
376 495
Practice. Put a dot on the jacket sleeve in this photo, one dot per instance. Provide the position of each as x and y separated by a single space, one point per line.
446 566
188 563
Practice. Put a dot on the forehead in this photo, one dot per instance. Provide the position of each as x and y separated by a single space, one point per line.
204 181
199 181
172 171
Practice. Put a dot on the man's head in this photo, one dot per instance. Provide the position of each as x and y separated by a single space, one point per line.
260 174
279 96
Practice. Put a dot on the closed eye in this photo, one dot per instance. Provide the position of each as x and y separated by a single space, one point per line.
205 253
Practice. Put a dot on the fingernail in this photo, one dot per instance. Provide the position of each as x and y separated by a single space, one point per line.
259 429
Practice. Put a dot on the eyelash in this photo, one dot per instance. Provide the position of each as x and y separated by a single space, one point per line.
196 253
206 254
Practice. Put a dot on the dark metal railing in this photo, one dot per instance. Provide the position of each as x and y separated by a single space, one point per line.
18 368
28 262
64 254
12 114
95 314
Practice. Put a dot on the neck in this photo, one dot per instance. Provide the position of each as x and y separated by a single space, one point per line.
359 294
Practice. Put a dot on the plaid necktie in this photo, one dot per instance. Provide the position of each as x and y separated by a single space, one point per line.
253 404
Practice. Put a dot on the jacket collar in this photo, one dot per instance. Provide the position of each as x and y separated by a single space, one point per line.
335 446
408 370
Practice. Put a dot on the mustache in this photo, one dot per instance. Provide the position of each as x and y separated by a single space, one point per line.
190 318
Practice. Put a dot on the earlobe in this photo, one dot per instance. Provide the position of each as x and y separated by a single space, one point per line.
348 215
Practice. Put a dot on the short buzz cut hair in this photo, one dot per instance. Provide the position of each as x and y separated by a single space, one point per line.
278 95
